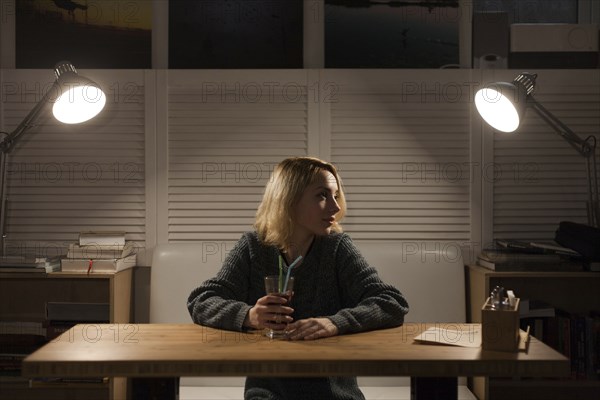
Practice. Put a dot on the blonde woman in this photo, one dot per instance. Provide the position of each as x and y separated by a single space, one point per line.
335 290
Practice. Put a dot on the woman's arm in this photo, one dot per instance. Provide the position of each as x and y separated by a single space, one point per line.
220 302
368 302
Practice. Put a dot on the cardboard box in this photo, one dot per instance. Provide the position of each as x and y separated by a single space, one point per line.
500 327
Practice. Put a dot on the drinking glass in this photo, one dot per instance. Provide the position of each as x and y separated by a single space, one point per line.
274 286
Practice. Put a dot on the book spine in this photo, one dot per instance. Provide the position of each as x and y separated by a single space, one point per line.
581 356
596 344
590 371
566 337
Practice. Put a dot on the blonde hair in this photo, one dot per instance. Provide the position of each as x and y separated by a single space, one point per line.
274 217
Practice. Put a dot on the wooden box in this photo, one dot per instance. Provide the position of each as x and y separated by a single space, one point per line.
500 327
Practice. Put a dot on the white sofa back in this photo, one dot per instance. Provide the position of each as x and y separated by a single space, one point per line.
430 275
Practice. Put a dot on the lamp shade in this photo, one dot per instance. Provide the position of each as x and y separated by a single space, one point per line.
498 106
78 99
503 104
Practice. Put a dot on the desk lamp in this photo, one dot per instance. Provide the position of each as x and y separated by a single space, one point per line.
76 99
502 105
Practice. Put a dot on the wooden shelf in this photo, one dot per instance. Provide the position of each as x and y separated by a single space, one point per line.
61 393
574 292
23 297
533 274
81 384
546 382
543 389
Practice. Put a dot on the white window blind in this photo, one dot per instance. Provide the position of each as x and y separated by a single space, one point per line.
64 179
540 179
402 146
227 131
401 142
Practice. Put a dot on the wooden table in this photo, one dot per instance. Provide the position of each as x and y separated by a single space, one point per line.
171 351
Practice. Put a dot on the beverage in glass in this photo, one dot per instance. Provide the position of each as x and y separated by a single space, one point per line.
276 286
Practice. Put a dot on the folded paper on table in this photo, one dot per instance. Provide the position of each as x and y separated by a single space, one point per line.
452 337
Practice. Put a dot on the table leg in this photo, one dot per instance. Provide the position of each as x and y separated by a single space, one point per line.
433 388
154 389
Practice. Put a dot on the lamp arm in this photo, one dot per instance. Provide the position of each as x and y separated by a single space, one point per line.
9 141
6 146
582 146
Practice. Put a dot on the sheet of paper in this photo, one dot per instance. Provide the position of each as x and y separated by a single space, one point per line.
465 338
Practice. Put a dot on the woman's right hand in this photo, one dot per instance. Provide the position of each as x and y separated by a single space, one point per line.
269 312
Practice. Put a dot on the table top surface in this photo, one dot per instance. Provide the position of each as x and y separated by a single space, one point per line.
164 350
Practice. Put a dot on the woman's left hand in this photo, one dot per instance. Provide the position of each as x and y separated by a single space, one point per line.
311 328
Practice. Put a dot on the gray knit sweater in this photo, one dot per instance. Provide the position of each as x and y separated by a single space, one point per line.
333 281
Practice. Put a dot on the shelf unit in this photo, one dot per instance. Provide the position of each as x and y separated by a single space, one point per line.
23 297
574 292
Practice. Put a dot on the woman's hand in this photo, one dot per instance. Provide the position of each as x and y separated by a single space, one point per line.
269 312
311 328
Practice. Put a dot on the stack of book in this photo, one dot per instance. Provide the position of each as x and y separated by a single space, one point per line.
18 264
550 247
512 255
100 252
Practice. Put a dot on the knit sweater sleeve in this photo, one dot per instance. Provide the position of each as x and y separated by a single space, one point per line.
368 302
220 302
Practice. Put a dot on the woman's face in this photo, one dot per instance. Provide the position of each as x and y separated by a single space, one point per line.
316 210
